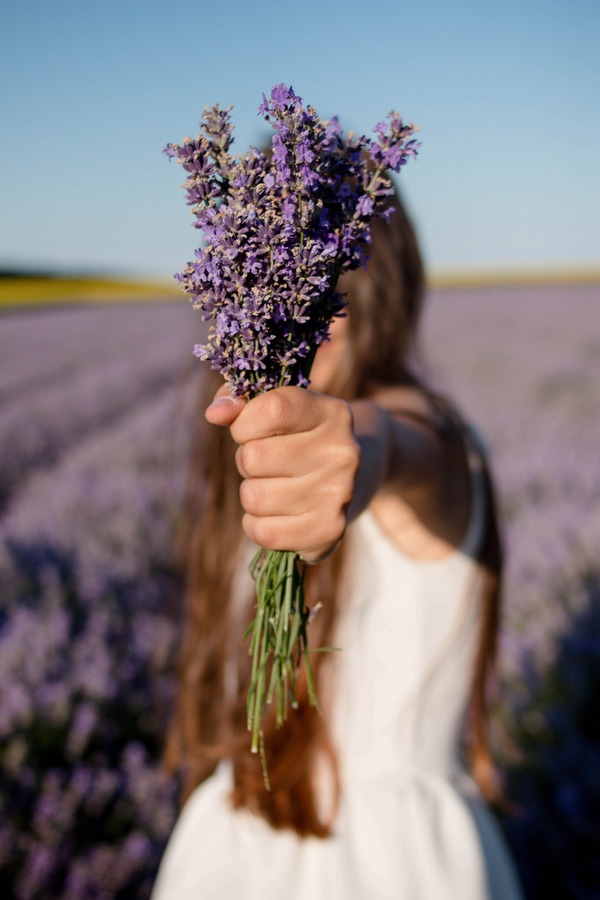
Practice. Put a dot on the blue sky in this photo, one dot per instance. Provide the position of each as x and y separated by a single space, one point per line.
506 96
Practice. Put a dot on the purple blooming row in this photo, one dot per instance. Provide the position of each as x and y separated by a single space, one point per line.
88 635
59 344
67 373
89 612
280 227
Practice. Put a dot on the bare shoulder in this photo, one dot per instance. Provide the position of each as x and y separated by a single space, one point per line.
426 510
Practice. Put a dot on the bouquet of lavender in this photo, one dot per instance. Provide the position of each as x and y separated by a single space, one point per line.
280 228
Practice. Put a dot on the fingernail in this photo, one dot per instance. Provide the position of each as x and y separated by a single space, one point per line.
221 401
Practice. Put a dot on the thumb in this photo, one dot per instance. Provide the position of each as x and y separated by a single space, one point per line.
224 408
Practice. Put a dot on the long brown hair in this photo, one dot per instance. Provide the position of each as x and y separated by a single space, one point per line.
209 721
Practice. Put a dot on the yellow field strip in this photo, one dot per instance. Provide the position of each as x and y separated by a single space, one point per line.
509 277
42 291
33 291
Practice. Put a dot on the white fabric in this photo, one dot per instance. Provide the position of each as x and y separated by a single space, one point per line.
411 825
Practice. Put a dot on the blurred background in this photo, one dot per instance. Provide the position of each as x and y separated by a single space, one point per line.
98 386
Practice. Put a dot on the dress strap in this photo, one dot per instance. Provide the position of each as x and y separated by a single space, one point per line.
476 455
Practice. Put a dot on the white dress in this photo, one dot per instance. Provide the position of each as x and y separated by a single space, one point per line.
411 823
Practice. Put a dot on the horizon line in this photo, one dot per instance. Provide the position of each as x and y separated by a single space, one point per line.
24 287
496 276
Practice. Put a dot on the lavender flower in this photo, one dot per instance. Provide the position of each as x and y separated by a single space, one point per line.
88 616
54 393
280 229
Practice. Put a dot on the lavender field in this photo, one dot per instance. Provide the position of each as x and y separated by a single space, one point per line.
96 406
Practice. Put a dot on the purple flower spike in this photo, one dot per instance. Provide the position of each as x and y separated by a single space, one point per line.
279 231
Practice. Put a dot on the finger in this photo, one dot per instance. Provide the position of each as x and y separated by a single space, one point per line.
279 456
303 534
266 497
323 499
224 408
287 410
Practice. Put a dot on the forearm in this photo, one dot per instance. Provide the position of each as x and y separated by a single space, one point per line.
396 455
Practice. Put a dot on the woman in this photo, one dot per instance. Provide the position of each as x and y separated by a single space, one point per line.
379 486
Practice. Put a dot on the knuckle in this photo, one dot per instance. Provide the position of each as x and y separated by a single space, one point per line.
254 458
237 429
333 531
342 492
264 533
339 414
351 452
278 409
345 496
338 525
249 497
344 414
240 461
338 528
249 527
346 457
246 459
355 455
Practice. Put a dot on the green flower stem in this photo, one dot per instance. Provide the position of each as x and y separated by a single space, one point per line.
278 642
260 690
